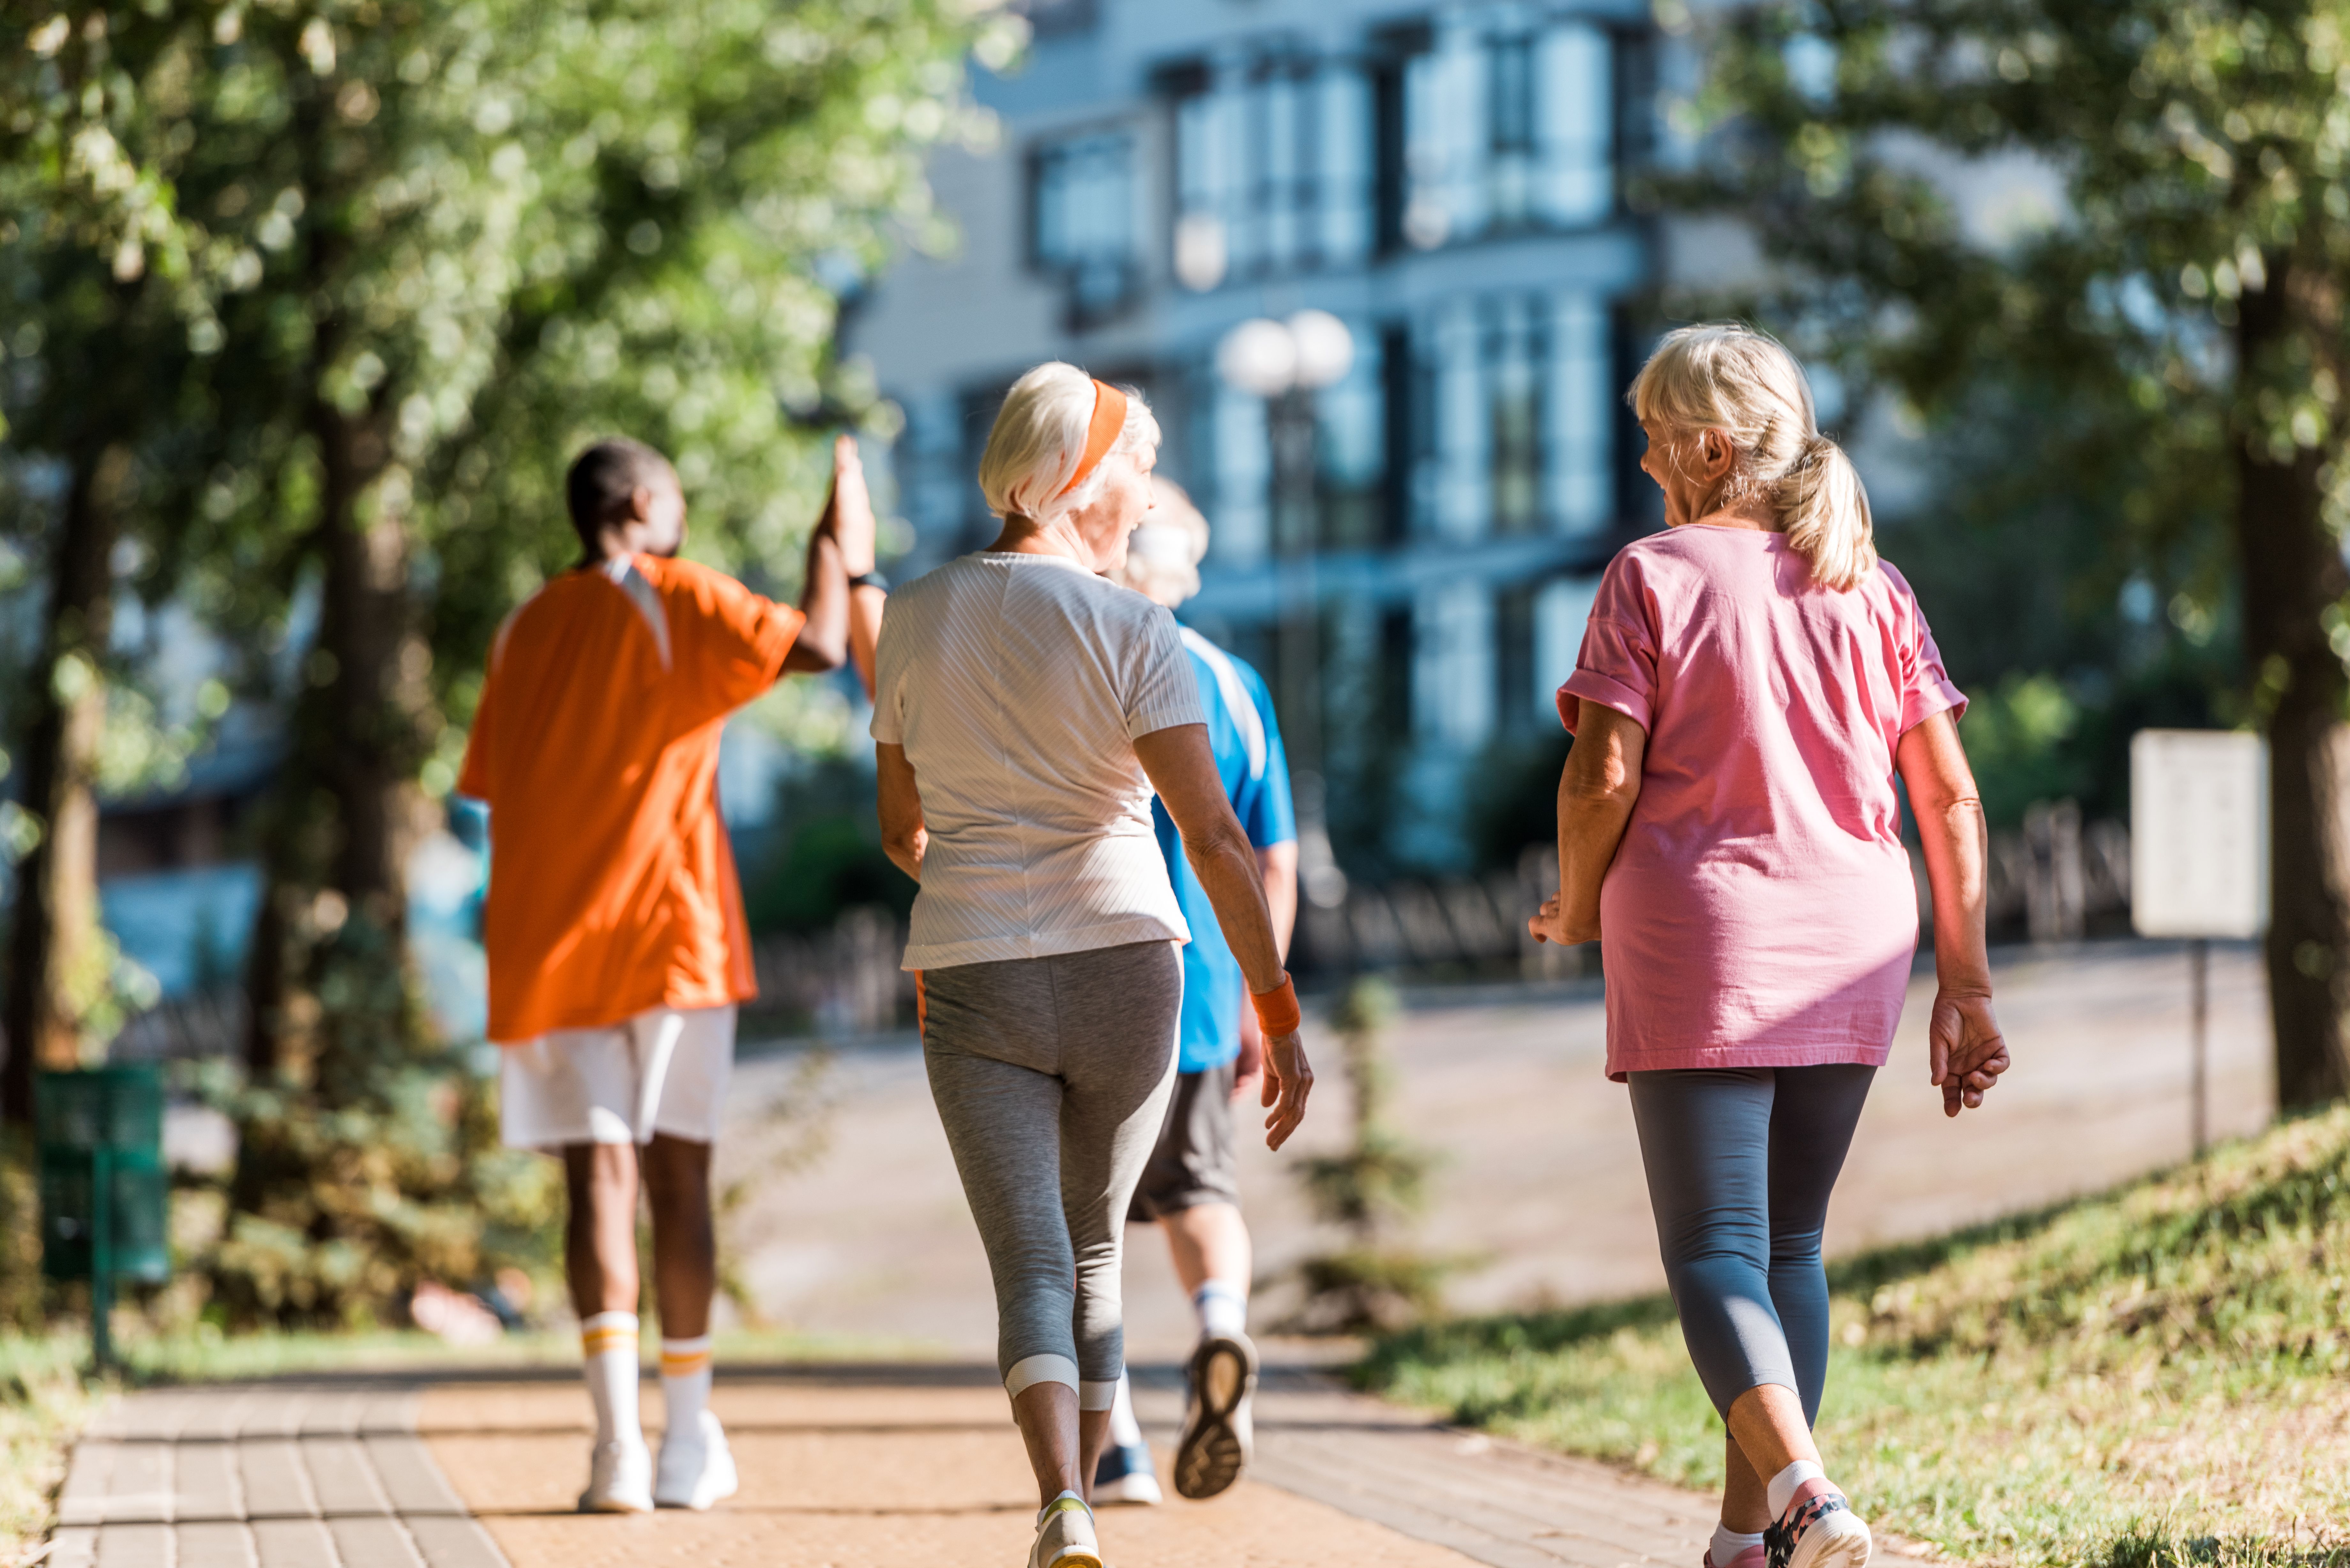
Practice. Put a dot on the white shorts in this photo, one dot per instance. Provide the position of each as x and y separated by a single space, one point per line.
661 1072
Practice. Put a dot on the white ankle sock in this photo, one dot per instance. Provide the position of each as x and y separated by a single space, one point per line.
1124 1429
685 1384
609 1341
1728 1543
1041 1512
1782 1488
1222 1307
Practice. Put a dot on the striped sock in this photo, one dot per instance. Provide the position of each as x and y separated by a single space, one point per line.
610 1343
685 1385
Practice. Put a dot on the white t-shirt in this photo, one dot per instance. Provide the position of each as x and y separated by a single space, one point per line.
1018 684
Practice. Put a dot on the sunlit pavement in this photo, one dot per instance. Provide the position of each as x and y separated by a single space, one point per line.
1540 1187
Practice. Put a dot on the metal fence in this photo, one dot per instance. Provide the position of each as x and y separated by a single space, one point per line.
2057 879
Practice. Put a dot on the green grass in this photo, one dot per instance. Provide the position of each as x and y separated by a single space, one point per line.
2160 1375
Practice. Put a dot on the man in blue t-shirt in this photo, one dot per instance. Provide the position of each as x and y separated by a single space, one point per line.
1191 1185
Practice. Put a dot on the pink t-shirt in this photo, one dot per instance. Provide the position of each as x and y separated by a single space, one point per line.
1759 912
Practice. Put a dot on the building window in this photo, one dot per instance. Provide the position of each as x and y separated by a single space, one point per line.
1485 134
1082 220
1273 169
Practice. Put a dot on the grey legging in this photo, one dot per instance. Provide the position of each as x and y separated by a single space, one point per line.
1052 1076
1741 1162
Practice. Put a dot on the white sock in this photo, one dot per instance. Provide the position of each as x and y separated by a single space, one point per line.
609 1341
1041 1512
1222 1307
1728 1543
1124 1429
1781 1490
685 1384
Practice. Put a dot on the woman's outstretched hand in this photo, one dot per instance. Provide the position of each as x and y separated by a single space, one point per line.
1287 1081
1550 926
1967 1052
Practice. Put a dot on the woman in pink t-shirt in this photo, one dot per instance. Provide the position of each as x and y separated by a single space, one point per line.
1751 680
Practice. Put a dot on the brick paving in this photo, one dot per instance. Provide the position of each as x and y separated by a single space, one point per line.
325 1474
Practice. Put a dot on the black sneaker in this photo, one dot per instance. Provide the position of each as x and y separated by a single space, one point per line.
1218 1440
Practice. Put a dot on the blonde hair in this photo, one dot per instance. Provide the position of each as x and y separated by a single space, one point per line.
1039 438
1163 555
1746 385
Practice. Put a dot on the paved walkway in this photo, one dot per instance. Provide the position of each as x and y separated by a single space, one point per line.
910 1466
1540 1183
280 1475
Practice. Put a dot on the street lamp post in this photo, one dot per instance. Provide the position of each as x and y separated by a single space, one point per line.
1286 363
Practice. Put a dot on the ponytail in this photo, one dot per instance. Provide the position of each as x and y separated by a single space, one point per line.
1746 385
1824 509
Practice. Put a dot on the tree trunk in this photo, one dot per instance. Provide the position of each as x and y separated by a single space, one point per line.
2294 574
350 809
54 941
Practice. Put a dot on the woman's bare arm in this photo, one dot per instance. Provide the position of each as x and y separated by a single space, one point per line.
1596 791
1965 1048
903 837
1182 769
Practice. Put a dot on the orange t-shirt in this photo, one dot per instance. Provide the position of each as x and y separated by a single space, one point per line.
612 885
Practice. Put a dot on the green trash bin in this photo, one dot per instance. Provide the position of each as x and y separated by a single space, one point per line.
105 1193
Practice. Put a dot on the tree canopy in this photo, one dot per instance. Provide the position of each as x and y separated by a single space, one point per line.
2150 367
310 302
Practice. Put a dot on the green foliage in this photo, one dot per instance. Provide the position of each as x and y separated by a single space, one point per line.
44 1403
329 296
2081 364
1372 1188
372 1164
2016 735
2149 1376
825 858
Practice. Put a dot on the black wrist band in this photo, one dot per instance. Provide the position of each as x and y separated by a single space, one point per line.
869 580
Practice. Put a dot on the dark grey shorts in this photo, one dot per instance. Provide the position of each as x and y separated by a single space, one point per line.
1195 1160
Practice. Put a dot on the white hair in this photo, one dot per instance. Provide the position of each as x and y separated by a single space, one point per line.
1746 385
1039 439
1163 555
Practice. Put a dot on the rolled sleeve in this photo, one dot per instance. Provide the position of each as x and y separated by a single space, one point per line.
1616 668
1925 688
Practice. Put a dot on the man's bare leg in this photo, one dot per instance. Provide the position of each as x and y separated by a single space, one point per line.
696 1469
601 1257
1210 1241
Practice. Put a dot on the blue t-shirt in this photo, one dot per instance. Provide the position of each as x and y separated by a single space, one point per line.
1246 739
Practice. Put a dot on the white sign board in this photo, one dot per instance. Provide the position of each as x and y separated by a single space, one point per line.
2198 833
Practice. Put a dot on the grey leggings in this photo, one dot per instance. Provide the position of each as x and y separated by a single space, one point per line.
1741 1162
1052 1076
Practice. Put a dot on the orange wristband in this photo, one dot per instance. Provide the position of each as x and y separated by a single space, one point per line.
1276 1009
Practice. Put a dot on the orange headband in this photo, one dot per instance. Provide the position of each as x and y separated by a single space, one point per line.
1109 419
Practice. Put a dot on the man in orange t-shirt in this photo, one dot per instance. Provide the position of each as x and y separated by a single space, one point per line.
614 924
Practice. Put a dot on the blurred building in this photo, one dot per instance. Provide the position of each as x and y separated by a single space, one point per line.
1410 556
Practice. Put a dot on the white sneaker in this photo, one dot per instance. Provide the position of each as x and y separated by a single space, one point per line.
1818 1529
1064 1535
697 1469
1219 1437
619 1479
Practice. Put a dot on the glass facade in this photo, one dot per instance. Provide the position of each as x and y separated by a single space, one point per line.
1083 213
1449 188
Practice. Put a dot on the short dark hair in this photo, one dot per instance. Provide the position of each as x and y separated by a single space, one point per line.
603 477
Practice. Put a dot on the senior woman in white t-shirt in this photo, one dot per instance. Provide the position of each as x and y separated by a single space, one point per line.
1025 709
